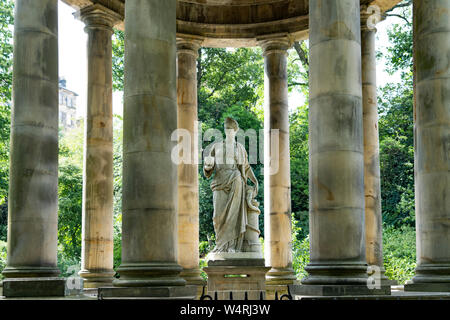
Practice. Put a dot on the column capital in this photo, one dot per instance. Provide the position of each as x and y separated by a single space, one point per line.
277 43
97 16
189 45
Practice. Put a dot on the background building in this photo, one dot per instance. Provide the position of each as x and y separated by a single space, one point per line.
67 106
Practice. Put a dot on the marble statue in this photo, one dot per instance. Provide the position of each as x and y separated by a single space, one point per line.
232 197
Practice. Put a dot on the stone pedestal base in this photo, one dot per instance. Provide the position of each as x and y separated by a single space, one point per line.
236 274
166 293
97 279
285 276
428 287
35 287
337 290
193 277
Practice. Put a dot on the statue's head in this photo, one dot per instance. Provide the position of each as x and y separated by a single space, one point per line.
231 127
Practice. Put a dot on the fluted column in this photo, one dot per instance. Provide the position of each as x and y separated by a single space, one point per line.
149 221
372 189
432 144
98 180
188 197
277 181
33 188
336 166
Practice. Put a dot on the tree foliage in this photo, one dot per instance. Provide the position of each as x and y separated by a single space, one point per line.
70 194
6 52
396 126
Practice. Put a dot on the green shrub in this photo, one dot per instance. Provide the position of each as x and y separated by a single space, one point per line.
68 265
202 263
399 251
2 257
300 249
117 239
204 248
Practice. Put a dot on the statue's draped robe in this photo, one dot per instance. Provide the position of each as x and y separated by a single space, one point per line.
229 197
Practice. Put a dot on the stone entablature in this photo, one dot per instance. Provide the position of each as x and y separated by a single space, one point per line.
235 23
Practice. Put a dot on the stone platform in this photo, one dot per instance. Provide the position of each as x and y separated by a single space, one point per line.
167 293
337 290
35 287
397 293
428 287
237 273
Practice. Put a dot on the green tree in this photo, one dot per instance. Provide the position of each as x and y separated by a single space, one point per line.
6 53
396 124
118 47
117 172
70 195
299 152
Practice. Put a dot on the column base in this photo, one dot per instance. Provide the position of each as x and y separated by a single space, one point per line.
337 290
280 276
430 278
336 274
166 293
193 277
149 275
96 279
35 287
30 272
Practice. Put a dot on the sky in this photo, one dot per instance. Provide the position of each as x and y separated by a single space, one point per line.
73 60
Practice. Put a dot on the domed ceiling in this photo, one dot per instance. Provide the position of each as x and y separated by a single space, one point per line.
235 23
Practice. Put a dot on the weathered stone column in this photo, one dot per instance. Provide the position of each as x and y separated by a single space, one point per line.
97 232
336 166
372 189
33 189
432 144
277 181
188 206
149 222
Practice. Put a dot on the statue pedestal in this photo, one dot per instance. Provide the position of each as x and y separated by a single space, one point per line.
237 273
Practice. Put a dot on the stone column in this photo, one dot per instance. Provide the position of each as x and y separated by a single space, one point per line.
149 222
33 192
97 233
432 144
33 188
277 180
372 189
188 206
336 161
